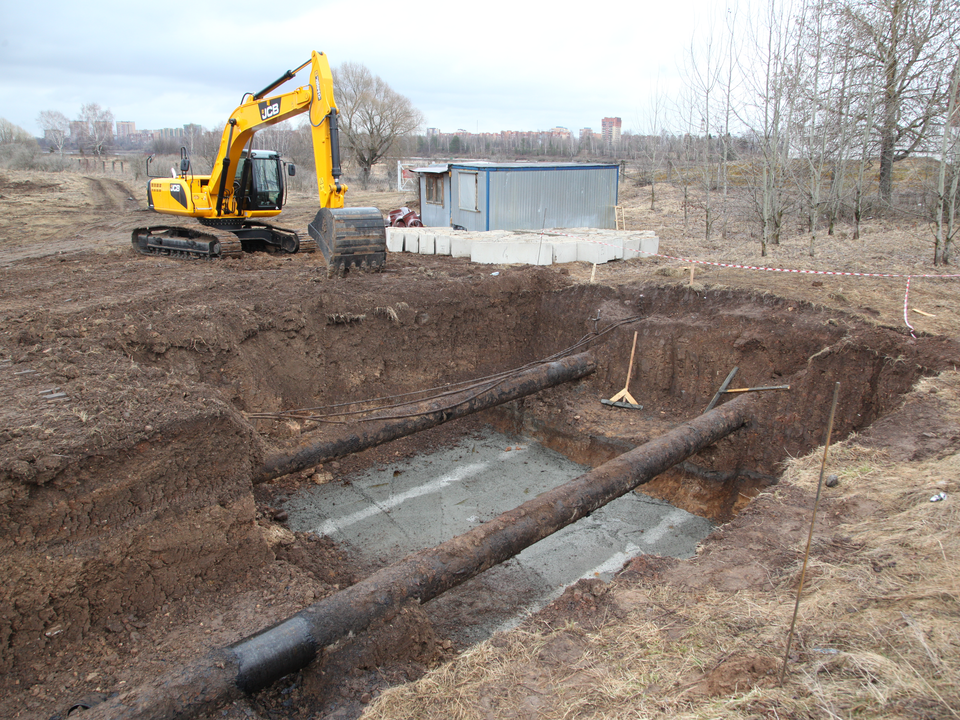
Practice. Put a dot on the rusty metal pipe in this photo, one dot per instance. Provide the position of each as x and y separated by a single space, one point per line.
375 432
257 661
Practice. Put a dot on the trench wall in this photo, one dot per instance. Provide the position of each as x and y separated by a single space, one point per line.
118 533
117 536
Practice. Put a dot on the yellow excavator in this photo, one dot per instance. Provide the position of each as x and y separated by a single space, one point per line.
247 185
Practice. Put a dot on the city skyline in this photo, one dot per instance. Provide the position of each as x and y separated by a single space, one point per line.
128 129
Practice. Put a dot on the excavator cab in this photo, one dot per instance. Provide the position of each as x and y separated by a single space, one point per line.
259 184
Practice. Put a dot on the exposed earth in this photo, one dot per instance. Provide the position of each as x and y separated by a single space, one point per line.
134 538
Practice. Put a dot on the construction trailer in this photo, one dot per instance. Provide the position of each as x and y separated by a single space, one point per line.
483 196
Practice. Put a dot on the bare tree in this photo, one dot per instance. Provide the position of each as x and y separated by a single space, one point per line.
207 146
293 140
96 128
946 209
769 122
703 77
729 84
11 134
843 131
279 137
372 115
56 128
652 146
906 45
812 98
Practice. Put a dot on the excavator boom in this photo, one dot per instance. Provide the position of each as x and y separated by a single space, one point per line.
247 186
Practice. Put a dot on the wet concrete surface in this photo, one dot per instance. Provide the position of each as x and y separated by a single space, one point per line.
385 513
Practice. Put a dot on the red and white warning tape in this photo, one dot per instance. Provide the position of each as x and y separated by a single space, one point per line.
906 297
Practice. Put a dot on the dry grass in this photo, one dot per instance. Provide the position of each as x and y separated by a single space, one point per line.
886 246
877 635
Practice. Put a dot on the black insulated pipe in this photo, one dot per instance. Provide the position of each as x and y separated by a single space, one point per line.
375 432
261 659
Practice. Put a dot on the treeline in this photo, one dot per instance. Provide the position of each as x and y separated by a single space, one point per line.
812 109
828 97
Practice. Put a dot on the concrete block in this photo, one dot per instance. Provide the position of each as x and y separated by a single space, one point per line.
394 239
460 245
411 241
565 252
508 253
649 246
428 244
442 246
642 244
599 251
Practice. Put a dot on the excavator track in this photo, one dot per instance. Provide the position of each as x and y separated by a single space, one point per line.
217 242
185 243
257 236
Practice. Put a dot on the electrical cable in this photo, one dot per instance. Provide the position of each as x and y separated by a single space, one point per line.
478 385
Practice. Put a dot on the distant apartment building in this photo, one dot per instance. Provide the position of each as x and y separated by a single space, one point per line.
168 133
126 128
611 131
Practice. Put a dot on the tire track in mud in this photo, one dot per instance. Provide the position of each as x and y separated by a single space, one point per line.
102 195
104 221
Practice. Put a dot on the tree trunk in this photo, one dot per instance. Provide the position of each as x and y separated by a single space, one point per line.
887 148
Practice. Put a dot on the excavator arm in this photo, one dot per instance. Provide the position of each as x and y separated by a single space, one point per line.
260 110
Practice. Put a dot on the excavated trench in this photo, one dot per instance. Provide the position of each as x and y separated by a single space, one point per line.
169 509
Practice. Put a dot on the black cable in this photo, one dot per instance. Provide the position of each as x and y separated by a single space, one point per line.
481 385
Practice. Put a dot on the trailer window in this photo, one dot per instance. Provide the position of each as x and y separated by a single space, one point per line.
434 185
467 184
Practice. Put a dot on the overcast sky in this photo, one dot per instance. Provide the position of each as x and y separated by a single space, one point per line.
484 66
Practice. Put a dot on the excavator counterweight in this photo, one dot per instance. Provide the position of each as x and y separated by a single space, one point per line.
247 186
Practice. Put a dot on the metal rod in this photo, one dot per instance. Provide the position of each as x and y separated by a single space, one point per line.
813 519
378 432
757 389
722 390
261 659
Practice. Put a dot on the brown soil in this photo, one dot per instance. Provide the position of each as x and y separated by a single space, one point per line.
133 539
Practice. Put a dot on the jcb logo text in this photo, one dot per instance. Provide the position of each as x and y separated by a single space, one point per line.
269 109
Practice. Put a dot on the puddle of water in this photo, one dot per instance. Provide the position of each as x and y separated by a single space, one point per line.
386 513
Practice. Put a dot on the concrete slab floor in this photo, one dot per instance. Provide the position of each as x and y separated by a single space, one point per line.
383 514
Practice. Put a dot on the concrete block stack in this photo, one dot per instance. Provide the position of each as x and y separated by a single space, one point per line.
500 247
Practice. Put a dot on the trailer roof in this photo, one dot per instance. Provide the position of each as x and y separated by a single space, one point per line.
495 166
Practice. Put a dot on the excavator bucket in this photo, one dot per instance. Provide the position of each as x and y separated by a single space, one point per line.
350 237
